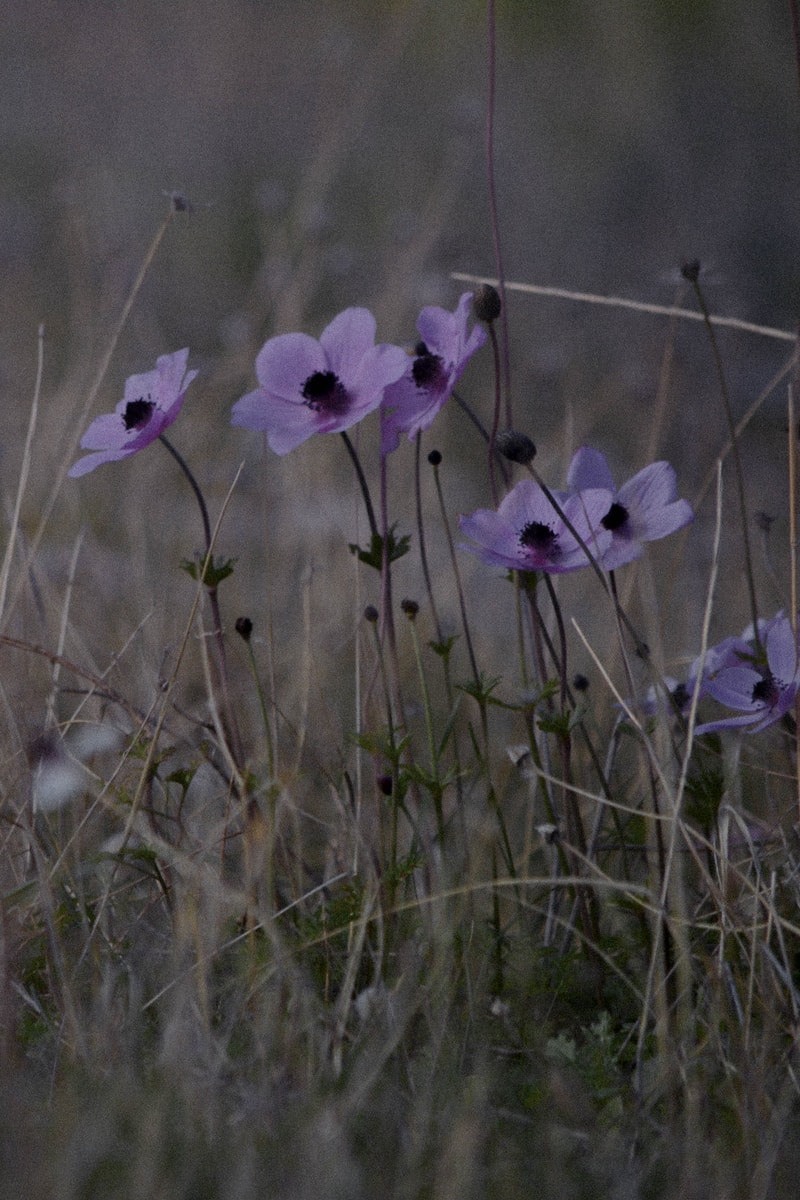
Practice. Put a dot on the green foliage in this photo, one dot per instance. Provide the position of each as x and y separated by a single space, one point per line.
372 555
214 572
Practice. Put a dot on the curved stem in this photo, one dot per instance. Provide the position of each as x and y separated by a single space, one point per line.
184 466
362 481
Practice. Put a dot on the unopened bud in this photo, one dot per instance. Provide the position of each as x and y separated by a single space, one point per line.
244 628
486 303
515 446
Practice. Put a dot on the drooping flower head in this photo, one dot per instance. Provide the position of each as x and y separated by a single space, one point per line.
644 509
527 534
308 386
446 347
150 404
762 687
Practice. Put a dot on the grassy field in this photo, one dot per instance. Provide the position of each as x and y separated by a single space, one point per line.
335 875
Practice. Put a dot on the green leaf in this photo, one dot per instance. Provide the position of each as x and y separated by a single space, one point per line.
214 573
372 556
480 689
443 648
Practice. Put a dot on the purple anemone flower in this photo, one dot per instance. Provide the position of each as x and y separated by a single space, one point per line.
762 688
412 403
644 509
149 406
309 386
527 534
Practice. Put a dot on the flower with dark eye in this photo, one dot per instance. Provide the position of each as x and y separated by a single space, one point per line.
762 684
644 509
445 348
308 386
150 404
528 534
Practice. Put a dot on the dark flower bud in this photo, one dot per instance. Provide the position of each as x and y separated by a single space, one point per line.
244 627
410 608
486 303
434 458
371 614
691 270
763 521
384 783
580 683
515 446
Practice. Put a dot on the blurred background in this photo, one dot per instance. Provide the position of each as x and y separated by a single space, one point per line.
334 155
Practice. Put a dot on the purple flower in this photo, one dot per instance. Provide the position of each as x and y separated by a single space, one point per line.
309 386
761 687
644 509
411 404
527 534
149 406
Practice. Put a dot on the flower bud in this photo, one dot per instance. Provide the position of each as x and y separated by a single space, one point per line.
244 628
515 446
486 303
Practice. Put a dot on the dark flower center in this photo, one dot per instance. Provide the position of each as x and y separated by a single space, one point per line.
680 697
767 691
137 414
324 392
540 537
615 518
428 369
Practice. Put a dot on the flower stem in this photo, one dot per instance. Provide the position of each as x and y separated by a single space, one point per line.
362 481
181 461
232 728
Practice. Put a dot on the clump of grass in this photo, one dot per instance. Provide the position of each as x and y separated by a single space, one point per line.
461 898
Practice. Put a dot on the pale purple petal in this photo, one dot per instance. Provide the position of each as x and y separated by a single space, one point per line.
348 338
381 366
781 646
285 362
589 469
734 686
286 424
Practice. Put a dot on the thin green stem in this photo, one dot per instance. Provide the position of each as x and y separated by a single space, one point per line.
433 754
262 704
